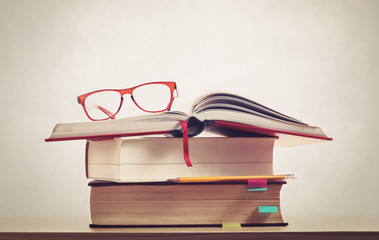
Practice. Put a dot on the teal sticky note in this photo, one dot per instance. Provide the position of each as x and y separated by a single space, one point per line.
268 209
256 189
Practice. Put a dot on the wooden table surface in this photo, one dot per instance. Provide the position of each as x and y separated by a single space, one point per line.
17 228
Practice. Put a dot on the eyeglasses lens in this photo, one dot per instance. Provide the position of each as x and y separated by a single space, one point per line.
152 97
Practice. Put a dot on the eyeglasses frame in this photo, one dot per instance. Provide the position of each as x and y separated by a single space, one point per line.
122 92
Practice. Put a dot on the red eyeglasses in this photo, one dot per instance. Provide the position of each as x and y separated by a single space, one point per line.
150 97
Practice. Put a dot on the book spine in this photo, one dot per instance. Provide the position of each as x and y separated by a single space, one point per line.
86 158
100 183
278 224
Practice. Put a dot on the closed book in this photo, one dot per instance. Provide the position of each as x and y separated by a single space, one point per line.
161 158
184 204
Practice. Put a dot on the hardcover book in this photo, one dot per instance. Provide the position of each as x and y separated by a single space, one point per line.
161 158
184 204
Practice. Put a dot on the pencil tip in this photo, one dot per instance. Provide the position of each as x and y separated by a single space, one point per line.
291 176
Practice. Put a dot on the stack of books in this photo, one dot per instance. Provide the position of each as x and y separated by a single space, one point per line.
154 170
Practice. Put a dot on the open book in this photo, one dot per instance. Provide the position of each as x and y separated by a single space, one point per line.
218 113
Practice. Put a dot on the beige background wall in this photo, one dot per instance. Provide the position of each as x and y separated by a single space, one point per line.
313 60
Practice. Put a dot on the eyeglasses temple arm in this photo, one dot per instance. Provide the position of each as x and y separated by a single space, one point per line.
177 95
108 113
177 91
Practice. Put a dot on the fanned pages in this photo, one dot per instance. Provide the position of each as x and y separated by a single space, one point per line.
161 158
169 204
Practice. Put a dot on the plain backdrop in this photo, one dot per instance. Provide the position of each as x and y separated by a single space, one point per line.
313 60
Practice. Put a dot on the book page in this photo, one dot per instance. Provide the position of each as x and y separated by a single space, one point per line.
221 100
258 121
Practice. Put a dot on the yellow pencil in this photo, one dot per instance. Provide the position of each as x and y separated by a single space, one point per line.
228 178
